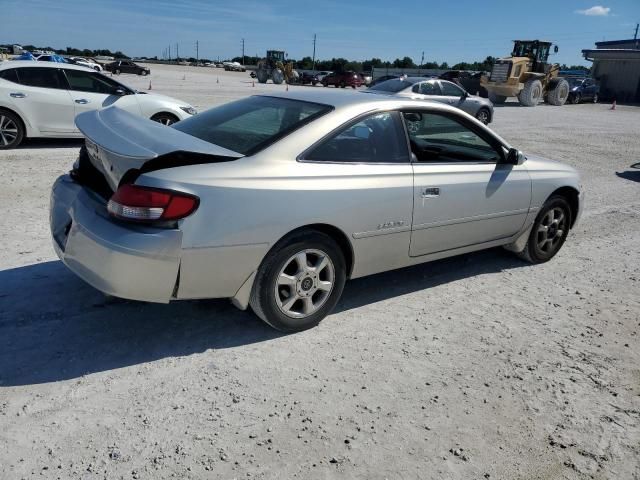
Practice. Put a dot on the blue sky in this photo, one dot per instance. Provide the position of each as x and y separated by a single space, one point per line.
451 31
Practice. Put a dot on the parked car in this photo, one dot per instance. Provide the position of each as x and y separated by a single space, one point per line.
85 63
41 99
343 79
321 75
366 78
583 89
384 78
234 67
437 90
126 66
470 81
50 57
203 209
307 78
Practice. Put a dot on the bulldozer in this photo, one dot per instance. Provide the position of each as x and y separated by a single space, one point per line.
526 74
274 67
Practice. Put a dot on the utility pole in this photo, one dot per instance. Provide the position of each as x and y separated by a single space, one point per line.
169 53
421 62
635 35
243 51
313 68
197 57
177 53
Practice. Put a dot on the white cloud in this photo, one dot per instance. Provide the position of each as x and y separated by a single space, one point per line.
595 11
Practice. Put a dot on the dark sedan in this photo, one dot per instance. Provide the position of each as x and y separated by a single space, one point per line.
583 89
126 66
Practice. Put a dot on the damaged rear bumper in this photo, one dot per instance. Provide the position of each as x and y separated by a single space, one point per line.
134 262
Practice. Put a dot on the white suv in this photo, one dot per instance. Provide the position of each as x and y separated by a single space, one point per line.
42 99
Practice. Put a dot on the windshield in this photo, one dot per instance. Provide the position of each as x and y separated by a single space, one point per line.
575 82
247 126
394 85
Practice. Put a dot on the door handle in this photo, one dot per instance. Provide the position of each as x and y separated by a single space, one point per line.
82 101
17 95
430 192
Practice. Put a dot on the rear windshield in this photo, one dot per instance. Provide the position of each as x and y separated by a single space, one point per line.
247 126
393 85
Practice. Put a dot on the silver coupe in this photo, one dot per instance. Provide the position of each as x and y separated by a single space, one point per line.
275 201
437 90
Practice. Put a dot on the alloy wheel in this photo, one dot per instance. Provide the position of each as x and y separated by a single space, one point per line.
8 130
304 283
483 116
551 230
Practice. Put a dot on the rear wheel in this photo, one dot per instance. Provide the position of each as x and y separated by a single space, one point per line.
531 94
497 99
165 118
299 282
11 130
143 72
342 85
117 71
325 83
559 93
549 231
595 98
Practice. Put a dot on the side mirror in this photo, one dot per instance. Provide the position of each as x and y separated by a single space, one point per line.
120 92
555 49
464 95
515 157
361 132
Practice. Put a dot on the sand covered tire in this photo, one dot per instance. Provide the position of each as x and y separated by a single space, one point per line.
558 93
262 75
277 76
531 94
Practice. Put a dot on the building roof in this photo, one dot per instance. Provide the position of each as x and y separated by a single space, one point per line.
611 53
630 42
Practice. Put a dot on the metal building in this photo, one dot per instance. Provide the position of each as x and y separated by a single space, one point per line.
616 66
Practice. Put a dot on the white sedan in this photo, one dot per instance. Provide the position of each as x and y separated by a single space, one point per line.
42 99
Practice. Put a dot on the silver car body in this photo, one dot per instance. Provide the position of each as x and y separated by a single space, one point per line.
381 213
442 91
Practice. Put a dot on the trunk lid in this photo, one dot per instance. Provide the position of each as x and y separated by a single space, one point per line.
118 141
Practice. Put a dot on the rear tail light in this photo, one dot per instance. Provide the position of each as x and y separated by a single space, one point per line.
144 204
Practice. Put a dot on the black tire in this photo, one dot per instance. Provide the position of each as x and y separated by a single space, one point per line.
165 118
143 73
117 71
325 84
342 85
497 99
576 99
531 94
595 98
484 115
263 295
533 252
12 130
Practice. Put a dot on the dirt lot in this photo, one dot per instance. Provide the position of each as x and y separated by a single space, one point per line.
470 368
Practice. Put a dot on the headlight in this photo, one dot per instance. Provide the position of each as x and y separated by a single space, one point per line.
189 110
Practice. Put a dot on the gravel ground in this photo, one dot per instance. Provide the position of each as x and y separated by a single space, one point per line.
474 367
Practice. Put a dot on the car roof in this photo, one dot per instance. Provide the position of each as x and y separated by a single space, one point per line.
31 63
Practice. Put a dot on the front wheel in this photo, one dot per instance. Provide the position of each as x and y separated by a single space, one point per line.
299 282
484 116
11 130
117 71
576 99
549 231
143 73
595 98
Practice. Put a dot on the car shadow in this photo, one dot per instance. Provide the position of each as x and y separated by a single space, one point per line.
51 143
633 175
55 327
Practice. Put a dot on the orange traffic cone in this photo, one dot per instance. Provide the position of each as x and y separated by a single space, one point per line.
613 106
149 84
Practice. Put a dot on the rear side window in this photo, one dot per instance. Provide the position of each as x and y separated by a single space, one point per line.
392 86
247 126
451 90
41 77
82 81
10 74
378 138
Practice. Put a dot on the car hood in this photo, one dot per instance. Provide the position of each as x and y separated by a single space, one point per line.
119 141
162 98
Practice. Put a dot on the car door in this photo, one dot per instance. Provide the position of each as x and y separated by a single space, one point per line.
42 97
93 91
364 167
429 90
454 96
463 194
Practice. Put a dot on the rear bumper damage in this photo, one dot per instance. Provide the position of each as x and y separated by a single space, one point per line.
133 262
